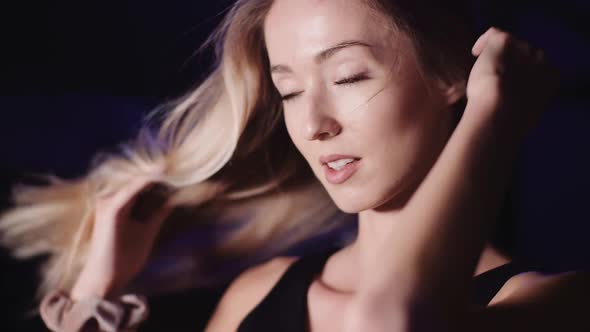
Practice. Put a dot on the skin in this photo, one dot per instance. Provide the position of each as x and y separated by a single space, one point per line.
116 255
398 133
401 129
398 122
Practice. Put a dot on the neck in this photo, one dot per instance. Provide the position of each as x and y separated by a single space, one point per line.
372 226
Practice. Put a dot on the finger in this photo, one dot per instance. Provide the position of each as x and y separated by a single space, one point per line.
482 41
118 201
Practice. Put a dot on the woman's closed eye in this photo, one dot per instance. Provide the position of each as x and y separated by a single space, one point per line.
346 81
290 96
352 79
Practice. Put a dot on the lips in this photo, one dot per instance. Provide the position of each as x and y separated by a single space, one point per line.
333 157
339 176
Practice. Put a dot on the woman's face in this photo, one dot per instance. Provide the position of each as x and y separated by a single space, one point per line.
352 90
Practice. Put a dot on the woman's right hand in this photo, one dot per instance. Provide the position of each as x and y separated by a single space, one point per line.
121 239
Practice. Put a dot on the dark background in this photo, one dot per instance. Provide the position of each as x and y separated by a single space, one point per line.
76 77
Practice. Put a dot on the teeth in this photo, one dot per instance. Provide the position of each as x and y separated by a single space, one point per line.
339 164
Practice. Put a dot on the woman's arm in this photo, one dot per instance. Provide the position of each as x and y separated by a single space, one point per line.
126 225
432 259
120 245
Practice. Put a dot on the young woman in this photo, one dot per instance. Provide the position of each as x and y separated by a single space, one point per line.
316 107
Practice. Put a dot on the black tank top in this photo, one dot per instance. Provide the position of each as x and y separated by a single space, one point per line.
285 307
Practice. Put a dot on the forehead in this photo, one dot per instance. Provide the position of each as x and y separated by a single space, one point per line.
303 28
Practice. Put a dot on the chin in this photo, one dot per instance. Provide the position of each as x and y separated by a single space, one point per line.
353 204
348 208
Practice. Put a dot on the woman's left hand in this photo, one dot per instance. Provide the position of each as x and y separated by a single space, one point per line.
511 81
454 209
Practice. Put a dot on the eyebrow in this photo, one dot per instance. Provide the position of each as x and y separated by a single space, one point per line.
323 55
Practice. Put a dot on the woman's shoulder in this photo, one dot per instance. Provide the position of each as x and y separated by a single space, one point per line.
246 291
537 301
534 283
516 283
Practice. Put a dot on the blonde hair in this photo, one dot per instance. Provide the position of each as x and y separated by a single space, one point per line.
222 148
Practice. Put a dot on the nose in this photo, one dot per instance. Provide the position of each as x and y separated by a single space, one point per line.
320 123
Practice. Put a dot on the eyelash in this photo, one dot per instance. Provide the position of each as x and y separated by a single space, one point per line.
346 81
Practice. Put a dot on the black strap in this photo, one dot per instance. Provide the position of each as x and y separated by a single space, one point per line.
286 304
489 283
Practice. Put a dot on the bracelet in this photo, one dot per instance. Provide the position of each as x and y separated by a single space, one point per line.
61 314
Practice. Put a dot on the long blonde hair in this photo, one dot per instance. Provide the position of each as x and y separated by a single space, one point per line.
222 148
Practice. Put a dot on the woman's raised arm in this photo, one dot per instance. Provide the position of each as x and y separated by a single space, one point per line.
426 266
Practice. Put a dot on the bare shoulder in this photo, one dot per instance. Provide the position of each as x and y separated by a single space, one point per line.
535 301
516 283
565 285
529 284
245 292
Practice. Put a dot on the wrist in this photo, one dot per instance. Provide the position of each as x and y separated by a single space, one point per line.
499 115
92 284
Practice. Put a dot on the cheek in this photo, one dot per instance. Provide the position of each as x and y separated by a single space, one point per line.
290 126
293 128
359 96
295 131
386 115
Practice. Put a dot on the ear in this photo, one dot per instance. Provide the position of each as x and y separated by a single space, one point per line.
452 93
